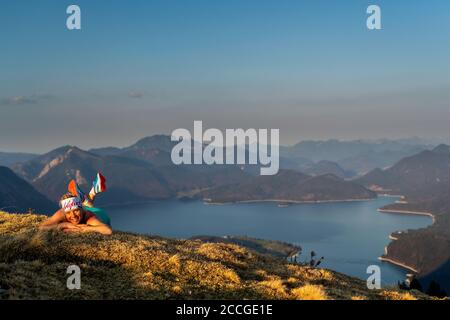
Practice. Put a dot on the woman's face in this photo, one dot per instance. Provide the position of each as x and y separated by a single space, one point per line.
74 216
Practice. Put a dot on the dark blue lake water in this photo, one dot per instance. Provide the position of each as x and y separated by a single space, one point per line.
350 235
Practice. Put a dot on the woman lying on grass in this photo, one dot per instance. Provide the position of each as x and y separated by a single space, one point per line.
78 214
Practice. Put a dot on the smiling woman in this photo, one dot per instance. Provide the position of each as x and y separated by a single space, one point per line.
76 218
77 213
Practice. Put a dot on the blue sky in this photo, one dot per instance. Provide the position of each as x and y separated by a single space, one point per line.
310 68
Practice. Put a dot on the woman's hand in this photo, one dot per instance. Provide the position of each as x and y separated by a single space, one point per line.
100 228
81 228
84 228
68 227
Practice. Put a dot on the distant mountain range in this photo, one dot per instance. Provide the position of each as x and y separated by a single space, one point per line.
128 179
9 158
144 171
345 159
419 175
155 150
326 167
16 195
358 156
131 177
353 158
424 180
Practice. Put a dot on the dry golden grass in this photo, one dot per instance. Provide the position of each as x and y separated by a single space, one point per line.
33 265
309 292
392 295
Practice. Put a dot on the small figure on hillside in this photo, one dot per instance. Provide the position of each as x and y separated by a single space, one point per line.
313 262
77 213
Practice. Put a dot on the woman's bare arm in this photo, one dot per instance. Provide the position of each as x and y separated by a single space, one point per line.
95 225
56 221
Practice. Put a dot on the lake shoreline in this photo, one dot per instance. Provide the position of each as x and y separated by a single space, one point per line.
409 212
398 264
237 220
284 201
386 257
289 202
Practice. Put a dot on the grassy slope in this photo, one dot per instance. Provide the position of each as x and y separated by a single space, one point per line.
126 266
274 248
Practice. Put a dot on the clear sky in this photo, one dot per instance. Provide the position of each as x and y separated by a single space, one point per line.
310 68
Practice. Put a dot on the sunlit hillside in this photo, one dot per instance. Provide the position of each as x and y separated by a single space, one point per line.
33 265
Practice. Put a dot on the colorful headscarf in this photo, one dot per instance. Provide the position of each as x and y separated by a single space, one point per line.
70 204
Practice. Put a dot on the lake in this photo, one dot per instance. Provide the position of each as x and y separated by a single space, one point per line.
350 235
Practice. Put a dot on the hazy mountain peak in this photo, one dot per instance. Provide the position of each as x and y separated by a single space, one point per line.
442 148
160 141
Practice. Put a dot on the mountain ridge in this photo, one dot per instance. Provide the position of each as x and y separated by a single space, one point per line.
289 186
144 172
424 182
16 195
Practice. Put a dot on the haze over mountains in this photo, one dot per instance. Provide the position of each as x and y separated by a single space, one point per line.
144 171
9 158
418 175
155 150
355 157
326 167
